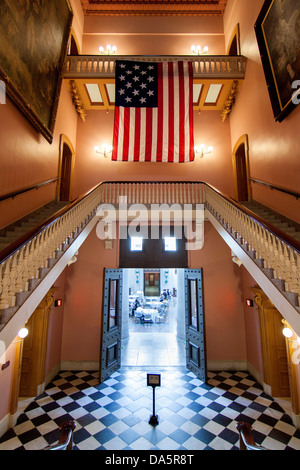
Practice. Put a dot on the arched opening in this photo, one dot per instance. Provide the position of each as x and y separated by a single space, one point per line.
234 47
66 169
241 169
73 48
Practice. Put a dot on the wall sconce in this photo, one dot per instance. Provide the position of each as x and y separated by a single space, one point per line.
23 333
109 50
198 50
287 332
106 152
201 150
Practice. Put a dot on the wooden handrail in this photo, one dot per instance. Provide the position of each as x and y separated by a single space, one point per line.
27 188
20 242
276 188
246 439
295 244
66 437
275 230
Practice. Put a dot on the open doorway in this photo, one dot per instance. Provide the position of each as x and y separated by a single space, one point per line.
115 319
153 326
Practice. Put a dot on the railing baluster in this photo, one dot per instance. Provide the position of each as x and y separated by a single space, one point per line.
20 271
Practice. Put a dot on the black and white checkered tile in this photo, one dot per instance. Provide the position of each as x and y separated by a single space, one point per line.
114 415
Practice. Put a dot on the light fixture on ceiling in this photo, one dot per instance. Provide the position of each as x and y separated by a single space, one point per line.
198 50
106 150
109 50
200 150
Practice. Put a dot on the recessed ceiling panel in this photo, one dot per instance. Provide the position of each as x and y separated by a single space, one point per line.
213 94
197 88
110 89
94 93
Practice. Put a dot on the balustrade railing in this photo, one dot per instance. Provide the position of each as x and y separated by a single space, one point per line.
272 249
154 193
24 263
203 66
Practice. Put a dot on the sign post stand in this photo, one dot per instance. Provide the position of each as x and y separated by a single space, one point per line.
153 380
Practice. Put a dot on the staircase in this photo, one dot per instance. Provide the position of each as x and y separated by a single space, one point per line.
31 264
288 226
13 232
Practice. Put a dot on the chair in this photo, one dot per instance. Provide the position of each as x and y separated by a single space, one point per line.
147 318
138 314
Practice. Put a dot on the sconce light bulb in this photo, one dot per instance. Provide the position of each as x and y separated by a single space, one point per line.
23 333
287 332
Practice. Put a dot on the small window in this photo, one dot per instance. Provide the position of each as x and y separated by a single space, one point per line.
170 244
136 244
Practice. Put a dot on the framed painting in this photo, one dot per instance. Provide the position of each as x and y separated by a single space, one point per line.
278 35
33 43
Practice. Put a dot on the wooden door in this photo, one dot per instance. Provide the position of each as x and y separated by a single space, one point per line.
194 321
32 381
241 169
241 174
110 351
275 360
65 176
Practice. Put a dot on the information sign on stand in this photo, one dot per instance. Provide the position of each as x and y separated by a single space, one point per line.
153 380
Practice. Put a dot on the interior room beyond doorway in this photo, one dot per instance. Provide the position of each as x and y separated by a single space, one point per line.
153 318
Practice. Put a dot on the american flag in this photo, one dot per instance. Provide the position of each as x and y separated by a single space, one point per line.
153 112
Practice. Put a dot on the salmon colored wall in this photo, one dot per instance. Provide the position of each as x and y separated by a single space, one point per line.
55 327
91 168
83 300
153 35
252 325
224 316
274 149
78 22
26 158
222 293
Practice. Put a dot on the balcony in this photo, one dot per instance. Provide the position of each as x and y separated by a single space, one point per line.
216 80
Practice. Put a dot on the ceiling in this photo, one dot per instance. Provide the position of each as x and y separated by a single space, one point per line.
154 7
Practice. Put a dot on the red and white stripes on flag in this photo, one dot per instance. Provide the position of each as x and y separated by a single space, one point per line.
163 133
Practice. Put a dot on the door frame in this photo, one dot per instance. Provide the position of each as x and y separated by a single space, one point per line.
195 334
274 353
242 141
110 347
64 140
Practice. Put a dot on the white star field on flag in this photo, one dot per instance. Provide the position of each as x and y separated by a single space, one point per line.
136 84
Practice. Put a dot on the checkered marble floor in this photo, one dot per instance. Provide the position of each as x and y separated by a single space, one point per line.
114 415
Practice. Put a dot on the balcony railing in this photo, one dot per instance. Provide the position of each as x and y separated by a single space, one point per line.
98 66
23 264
